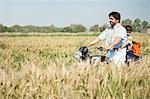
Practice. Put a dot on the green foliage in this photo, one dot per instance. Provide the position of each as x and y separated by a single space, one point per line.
67 29
136 24
95 28
1 28
74 28
144 24
127 22
103 27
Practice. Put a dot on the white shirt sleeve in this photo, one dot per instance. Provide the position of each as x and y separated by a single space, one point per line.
122 33
102 36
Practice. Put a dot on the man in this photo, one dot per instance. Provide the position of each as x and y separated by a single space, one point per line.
115 36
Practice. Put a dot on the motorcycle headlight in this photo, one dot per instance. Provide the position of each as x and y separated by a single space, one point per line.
78 54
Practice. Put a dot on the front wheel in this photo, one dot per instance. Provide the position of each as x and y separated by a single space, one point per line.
98 59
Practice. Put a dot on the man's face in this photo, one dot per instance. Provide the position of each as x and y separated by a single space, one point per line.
113 21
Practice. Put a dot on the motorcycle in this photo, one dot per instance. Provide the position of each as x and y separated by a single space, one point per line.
84 54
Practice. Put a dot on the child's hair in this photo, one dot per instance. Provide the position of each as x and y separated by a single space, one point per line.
128 28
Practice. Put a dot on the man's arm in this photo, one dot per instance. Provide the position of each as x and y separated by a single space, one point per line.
96 40
116 41
121 35
124 45
102 36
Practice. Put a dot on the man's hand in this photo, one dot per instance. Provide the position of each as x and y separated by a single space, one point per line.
116 41
107 48
119 48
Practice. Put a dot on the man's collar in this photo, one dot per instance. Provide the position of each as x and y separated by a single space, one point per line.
115 26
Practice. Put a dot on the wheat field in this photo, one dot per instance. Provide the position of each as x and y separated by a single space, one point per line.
44 67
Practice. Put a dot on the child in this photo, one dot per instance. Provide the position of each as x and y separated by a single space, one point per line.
133 47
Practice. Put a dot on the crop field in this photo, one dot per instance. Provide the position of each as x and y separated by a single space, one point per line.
36 66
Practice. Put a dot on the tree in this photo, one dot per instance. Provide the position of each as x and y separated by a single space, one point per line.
144 24
1 28
6 29
80 28
127 22
77 28
95 28
103 27
136 25
67 29
16 28
148 26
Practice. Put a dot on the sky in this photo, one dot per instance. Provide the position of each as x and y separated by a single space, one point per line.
65 12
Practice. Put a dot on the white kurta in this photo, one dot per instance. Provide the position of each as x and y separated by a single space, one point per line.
110 34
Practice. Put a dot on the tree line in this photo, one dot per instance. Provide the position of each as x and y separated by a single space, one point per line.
136 24
74 28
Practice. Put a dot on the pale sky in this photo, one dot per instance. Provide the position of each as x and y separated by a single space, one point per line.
66 12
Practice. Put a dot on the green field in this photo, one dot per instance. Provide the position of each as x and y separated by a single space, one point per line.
43 66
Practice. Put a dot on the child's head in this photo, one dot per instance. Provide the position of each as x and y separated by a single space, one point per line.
128 29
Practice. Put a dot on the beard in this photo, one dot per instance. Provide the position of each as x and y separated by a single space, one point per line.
112 23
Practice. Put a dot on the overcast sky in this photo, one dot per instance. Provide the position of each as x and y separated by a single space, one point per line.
66 12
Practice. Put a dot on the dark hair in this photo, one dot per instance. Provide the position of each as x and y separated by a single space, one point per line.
128 28
116 15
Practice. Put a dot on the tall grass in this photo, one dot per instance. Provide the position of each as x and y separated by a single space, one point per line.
44 67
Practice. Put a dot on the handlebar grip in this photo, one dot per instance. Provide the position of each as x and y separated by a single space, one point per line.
100 48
